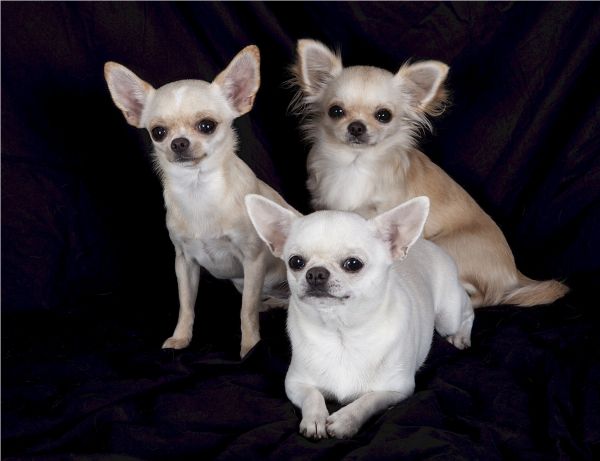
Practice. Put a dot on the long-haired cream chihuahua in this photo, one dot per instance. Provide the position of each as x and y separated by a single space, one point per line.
365 296
363 122
190 122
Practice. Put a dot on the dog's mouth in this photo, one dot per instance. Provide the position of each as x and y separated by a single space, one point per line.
358 140
321 294
188 160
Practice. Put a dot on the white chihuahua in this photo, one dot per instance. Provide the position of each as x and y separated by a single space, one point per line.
365 296
363 123
190 122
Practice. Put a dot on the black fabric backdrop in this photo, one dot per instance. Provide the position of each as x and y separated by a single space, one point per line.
88 287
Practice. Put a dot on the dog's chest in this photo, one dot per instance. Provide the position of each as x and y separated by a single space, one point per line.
219 255
352 374
359 185
347 187
200 229
341 366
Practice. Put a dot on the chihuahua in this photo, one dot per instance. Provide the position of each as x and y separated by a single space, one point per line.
365 296
205 182
363 123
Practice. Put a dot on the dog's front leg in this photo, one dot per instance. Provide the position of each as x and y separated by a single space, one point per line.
314 410
348 420
254 278
188 277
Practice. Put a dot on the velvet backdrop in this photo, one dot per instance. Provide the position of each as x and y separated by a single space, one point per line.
88 287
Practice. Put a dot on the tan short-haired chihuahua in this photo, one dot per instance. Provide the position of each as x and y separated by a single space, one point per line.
205 182
363 123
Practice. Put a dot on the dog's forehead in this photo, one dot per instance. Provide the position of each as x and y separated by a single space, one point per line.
187 97
364 84
327 231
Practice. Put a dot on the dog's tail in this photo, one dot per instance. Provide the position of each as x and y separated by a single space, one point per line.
531 292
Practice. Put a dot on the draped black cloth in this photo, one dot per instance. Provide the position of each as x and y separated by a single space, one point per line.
88 286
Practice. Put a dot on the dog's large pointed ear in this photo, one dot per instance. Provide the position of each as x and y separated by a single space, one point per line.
315 66
129 92
271 221
240 81
401 226
424 83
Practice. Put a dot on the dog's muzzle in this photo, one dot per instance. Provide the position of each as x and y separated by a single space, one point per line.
182 152
180 145
357 133
317 278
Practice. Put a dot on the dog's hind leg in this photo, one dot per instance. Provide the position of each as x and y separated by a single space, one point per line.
454 320
254 278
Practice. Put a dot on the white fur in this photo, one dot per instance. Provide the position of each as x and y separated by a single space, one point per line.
363 342
204 191
344 178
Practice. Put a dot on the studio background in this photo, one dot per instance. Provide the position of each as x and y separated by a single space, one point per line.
88 285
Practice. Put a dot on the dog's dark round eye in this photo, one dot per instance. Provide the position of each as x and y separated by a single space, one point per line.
336 111
383 116
207 126
296 262
159 133
352 265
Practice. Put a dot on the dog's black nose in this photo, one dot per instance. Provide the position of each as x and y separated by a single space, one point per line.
180 145
357 129
317 276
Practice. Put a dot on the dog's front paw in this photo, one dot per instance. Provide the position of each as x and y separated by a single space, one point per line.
314 426
244 350
246 347
342 424
176 343
248 342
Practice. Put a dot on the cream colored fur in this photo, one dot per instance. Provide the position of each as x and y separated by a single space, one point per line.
205 184
383 167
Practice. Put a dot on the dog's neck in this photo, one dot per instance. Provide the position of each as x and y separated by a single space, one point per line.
357 179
